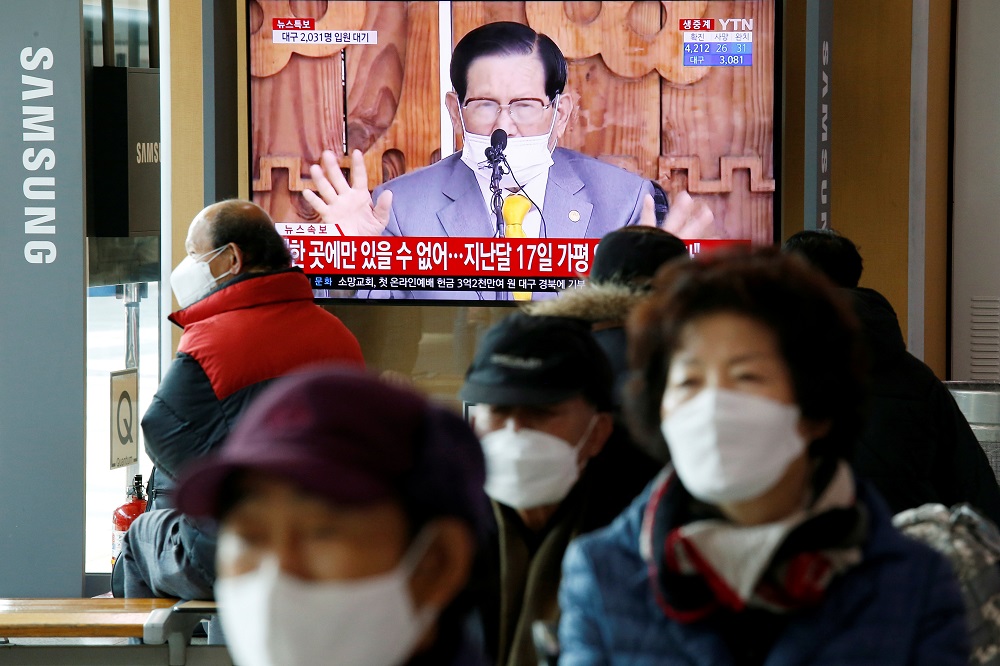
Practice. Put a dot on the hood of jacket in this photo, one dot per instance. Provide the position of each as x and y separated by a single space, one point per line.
593 302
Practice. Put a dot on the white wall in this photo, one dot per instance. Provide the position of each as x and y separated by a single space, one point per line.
976 212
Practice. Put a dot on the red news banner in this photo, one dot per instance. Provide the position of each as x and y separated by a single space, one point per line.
444 263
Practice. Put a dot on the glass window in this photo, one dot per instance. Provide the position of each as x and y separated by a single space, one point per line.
106 352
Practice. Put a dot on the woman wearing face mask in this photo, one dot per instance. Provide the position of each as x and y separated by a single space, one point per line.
349 515
758 545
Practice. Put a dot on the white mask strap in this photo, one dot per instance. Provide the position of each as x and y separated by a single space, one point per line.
555 113
418 547
214 252
461 116
588 432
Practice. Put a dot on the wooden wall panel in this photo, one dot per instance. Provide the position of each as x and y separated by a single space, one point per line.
726 118
242 103
415 127
467 15
187 135
870 140
938 205
286 125
393 97
615 123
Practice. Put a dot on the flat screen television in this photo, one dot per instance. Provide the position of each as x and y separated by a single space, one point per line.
681 93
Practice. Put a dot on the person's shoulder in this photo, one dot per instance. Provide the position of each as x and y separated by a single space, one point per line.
422 178
890 547
592 168
321 317
605 587
909 584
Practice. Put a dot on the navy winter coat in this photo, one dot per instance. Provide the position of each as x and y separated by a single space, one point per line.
900 605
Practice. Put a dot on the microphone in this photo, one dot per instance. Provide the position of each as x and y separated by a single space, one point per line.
498 161
495 158
498 142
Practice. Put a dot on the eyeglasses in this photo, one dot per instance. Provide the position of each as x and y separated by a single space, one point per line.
527 111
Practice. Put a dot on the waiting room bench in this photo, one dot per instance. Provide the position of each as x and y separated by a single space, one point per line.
163 626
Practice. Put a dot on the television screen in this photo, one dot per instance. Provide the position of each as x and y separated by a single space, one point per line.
682 94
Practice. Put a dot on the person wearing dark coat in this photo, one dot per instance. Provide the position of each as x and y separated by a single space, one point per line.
350 512
248 318
918 447
757 545
556 467
624 263
605 574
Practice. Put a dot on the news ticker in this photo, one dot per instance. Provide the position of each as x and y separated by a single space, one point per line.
466 283
482 264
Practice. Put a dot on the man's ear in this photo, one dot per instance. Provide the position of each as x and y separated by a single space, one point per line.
235 265
479 414
811 429
603 427
563 112
452 104
444 569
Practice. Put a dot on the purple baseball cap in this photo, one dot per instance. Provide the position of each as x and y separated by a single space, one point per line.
347 436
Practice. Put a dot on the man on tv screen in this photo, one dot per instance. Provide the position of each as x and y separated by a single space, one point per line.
509 96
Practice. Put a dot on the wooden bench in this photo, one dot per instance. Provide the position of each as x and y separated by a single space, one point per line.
160 630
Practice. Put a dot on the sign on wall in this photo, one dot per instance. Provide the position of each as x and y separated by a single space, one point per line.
819 46
124 418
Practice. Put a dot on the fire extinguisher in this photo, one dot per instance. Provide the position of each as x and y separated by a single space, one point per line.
125 514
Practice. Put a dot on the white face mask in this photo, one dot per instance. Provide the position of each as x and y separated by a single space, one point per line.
273 619
528 156
731 446
193 279
527 468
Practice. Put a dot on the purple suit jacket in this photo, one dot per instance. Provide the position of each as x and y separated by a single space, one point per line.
444 199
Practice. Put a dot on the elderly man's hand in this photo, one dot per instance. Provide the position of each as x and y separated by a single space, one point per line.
348 207
687 218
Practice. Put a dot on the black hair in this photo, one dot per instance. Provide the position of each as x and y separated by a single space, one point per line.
508 38
250 229
631 255
835 255
817 333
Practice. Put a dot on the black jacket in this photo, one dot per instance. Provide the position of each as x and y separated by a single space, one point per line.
917 447
236 340
517 572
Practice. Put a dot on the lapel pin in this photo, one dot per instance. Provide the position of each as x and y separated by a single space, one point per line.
574 216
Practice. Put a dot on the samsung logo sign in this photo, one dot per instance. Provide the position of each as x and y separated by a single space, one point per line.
38 132
147 153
